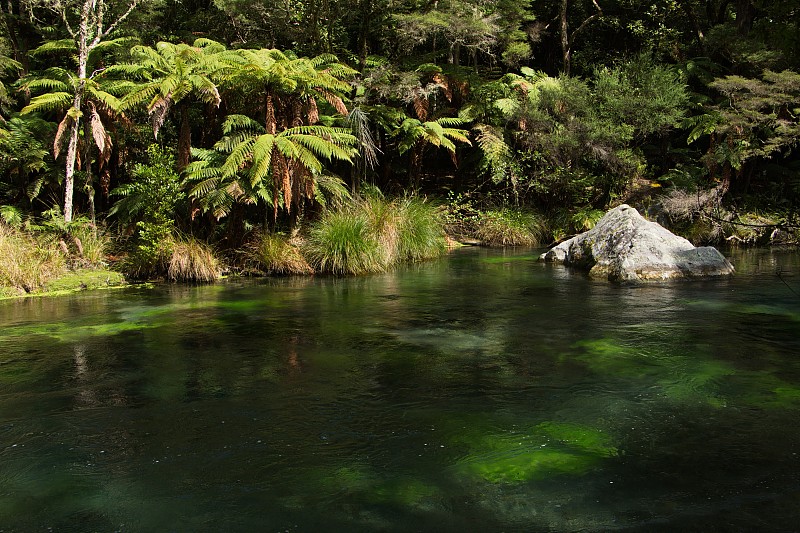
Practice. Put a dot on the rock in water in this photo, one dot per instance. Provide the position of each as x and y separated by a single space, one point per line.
624 246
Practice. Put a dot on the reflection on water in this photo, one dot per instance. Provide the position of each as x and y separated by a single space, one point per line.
485 391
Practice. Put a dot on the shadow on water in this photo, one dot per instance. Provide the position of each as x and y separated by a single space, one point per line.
485 391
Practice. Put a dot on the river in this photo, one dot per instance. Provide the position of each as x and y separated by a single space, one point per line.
481 392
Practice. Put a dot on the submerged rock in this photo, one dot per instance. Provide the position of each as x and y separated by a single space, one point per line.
624 246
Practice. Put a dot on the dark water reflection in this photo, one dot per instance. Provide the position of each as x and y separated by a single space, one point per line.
483 392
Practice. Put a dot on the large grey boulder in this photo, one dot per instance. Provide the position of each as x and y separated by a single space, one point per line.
624 246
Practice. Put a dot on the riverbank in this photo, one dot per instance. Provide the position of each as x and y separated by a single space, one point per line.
371 234
70 282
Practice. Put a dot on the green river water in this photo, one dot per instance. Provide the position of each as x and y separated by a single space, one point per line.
481 392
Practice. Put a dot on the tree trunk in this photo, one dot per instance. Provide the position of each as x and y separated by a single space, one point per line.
74 133
745 15
89 34
565 48
184 139
88 184
69 173
362 37
271 123
698 30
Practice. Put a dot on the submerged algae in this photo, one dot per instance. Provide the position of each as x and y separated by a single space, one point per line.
547 449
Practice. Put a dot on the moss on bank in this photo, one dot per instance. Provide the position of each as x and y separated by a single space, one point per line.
69 282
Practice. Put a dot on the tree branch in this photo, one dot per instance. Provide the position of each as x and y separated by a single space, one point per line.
113 27
587 21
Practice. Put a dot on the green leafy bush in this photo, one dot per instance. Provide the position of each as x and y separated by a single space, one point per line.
149 202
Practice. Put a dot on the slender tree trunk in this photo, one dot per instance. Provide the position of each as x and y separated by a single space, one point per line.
82 42
69 173
745 15
698 30
565 48
74 133
271 123
88 184
184 139
362 36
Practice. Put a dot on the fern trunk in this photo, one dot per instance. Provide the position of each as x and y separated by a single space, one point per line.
185 139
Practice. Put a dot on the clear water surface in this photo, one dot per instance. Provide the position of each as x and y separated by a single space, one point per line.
481 392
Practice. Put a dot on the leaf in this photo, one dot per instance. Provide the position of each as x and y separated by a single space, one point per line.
98 130
59 138
48 102
336 102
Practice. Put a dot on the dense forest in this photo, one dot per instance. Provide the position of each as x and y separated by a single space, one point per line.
180 139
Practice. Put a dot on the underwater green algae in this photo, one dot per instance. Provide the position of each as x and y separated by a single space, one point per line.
547 449
696 380
766 391
613 357
693 378
365 483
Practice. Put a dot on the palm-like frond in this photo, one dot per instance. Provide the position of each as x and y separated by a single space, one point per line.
234 123
8 65
262 158
48 102
105 99
56 47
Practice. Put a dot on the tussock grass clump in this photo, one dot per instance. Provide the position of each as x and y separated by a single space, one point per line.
342 242
506 227
94 246
374 233
276 254
176 259
27 263
192 260
421 234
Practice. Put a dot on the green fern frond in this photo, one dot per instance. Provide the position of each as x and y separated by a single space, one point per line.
240 122
48 102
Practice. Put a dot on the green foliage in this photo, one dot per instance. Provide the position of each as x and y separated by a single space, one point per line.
649 97
509 227
251 165
150 201
26 165
277 128
439 133
756 121
419 231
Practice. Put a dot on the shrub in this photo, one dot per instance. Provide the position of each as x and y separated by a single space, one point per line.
276 254
506 227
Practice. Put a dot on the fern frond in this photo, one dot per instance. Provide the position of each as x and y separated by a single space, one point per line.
240 122
48 102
